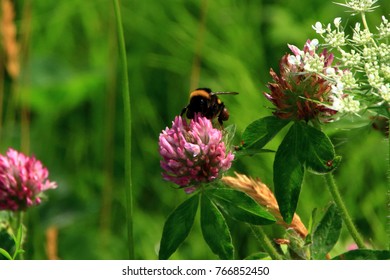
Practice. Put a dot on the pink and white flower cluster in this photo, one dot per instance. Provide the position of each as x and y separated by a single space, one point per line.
193 153
300 91
22 181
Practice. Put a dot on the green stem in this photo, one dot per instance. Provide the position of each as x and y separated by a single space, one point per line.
18 220
127 129
18 233
265 242
343 210
364 20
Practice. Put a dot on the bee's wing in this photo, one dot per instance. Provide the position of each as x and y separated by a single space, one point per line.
223 92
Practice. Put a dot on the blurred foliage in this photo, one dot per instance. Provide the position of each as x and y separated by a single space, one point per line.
65 108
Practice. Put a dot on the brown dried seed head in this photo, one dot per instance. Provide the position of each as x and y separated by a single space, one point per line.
265 197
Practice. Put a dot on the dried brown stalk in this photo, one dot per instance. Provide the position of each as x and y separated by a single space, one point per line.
8 38
264 196
52 243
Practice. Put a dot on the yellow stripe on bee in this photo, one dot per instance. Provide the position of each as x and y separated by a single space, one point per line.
201 93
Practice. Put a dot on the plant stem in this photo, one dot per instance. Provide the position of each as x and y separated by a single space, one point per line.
19 239
265 242
127 129
364 20
343 210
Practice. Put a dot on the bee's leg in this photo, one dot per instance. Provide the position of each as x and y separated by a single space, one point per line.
220 121
190 114
183 111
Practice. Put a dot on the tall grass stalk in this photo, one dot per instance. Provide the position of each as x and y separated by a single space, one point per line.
25 78
107 193
1 100
195 72
388 185
127 129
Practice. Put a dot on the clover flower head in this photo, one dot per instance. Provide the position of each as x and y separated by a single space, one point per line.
193 153
300 91
23 179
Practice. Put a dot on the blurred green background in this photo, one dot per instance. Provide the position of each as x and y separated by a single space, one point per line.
66 108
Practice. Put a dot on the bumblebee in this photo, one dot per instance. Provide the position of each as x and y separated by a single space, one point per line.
206 102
